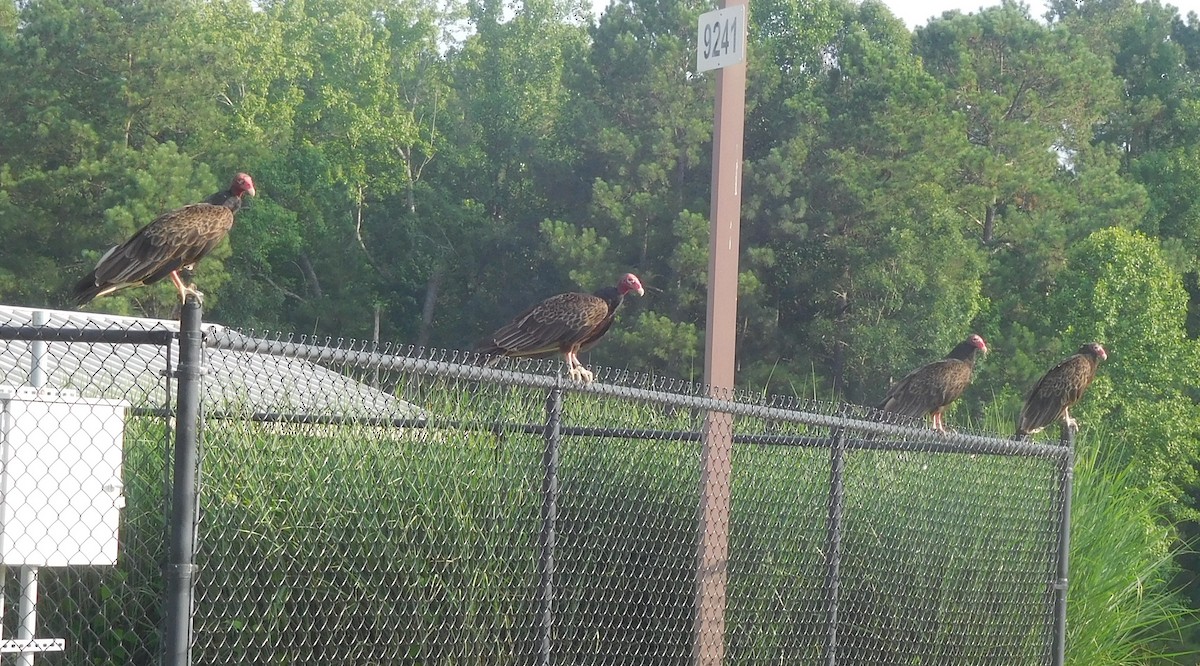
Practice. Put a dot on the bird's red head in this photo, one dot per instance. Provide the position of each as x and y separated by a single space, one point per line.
242 184
630 282
978 343
1094 349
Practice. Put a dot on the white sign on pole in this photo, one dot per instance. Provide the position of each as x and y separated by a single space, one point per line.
721 38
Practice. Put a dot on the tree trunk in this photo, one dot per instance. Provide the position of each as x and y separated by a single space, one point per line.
310 276
411 196
838 365
375 346
362 241
430 305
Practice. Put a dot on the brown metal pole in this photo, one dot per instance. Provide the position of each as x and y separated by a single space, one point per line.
712 557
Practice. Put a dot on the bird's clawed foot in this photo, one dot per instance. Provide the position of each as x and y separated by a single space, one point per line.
581 374
577 371
191 289
1070 423
185 289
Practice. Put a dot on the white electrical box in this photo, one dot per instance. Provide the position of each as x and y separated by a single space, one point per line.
60 477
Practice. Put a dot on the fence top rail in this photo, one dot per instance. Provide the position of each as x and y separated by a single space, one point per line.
901 436
112 335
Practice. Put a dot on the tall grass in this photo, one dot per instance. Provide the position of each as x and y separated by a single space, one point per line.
1121 606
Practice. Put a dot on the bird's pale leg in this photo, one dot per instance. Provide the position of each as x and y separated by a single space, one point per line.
577 371
1071 423
185 289
570 359
180 286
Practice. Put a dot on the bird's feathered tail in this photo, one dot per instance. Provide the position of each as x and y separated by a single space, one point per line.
86 289
489 354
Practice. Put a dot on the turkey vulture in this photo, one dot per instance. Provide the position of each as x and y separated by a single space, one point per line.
173 241
566 323
932 387
1058 389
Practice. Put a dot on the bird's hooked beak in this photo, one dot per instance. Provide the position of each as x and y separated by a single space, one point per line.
641 291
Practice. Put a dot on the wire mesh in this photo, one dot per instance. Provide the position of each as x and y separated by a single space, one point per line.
378 505
82 489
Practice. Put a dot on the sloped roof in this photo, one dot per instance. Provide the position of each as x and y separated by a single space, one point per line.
237 381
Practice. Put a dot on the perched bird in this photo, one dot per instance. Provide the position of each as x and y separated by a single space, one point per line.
1060 388
172 242
563 324
932 387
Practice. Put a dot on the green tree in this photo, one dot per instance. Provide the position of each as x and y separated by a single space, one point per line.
505 164
1118 289
1029 95
1030 181
641 124
865 256
1154 52
98 134
340 118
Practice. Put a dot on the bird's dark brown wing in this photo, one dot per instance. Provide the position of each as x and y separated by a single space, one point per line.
929 388
613 298
557 323
173 240
1057 390
598 332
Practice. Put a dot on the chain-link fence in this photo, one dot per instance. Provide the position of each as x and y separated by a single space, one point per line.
363 505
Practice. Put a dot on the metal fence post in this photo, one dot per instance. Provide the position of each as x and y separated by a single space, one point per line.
37 366
833 542
27 605
181 568
1066 477
549 518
